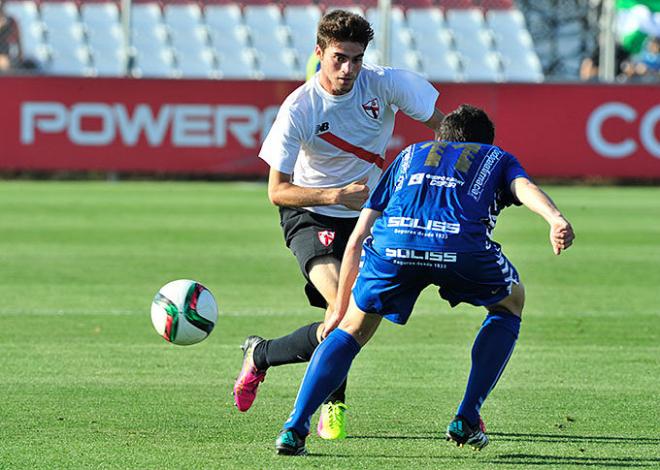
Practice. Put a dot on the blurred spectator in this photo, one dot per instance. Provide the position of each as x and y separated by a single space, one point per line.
589 65
11 55
645 66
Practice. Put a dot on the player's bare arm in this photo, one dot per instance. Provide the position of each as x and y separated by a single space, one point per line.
282 192
535 199
349 268
434 122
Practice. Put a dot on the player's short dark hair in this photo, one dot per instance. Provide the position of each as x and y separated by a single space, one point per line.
343 26
467 124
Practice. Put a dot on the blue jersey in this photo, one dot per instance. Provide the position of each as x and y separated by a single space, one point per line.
443 196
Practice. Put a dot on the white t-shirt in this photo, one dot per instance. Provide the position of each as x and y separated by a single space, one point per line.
329 141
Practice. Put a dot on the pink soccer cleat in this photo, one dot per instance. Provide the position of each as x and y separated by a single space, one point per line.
245 387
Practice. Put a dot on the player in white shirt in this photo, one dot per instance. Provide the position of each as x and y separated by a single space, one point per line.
326 150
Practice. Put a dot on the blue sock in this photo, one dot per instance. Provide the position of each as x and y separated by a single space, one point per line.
490 353
327 369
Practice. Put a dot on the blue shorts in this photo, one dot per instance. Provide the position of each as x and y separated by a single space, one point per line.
390 282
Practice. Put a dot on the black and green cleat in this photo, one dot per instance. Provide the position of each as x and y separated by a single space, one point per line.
289 442
461 432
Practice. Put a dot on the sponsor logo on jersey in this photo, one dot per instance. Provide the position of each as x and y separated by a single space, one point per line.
485 169
372 108
326 237
406 155
428 225
321 128
434 180
420 255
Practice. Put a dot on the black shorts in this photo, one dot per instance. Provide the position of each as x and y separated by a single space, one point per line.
309 235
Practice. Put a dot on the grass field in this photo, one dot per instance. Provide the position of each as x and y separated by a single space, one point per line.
86 382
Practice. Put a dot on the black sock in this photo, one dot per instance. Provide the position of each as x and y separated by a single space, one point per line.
290 349
339 394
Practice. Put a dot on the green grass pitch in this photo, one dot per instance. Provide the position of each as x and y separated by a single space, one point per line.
86 382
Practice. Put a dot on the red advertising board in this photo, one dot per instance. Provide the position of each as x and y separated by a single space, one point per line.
216 127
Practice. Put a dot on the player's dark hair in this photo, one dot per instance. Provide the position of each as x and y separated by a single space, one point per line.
467 124
343 26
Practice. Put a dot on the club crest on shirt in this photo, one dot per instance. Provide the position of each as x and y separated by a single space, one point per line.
326 237
372 108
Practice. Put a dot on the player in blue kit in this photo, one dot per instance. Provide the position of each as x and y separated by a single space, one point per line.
431 217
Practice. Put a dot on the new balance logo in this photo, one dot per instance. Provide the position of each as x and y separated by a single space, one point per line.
323 127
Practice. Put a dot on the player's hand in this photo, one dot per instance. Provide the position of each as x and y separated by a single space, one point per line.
354 195
331 322
561 235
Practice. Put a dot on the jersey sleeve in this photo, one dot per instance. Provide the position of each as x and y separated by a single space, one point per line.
380 196
512 170
282 144
412 94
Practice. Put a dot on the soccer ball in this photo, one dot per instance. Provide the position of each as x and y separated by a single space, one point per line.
184 312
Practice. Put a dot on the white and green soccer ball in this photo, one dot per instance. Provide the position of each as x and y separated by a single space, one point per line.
184 312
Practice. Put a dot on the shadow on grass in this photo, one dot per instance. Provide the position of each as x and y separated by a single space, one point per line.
427 437
539 459
524 460
554 460
531 437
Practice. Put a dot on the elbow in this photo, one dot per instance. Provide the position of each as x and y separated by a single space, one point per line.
274 198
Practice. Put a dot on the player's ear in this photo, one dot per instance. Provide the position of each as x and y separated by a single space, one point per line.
318 51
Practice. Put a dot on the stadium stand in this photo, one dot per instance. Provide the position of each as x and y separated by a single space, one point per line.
105 39
445 40
32 34
301 21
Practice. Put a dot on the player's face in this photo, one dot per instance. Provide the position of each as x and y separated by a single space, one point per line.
340 65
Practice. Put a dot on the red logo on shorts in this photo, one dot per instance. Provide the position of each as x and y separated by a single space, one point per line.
326 237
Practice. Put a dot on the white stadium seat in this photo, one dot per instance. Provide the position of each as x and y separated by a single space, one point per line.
160 64
72 62
146 15
444 66
182 15
197 64
59 14
96 16
264 23
149 40
229 38
105 38
481 69
397 20
189 39
525 68
64 36
222 17
425 21
475 45
301 21
101 40
108 62
510 19
237 64
468 21
279 66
